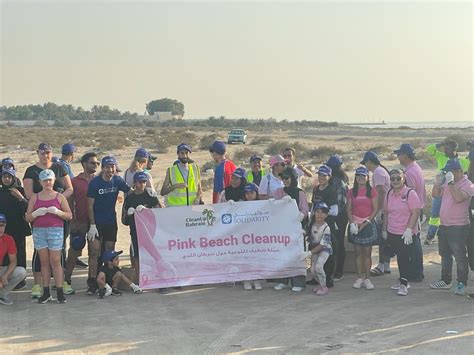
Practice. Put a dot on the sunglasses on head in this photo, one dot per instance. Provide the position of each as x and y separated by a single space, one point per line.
395 178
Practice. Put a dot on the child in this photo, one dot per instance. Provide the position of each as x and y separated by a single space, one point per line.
320 247
111 274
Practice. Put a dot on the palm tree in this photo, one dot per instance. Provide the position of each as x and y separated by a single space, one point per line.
209 216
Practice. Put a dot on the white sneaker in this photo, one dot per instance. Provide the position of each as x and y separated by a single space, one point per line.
280 287
297 289
397 286
247 285
368 285
403 290
358 283
258 285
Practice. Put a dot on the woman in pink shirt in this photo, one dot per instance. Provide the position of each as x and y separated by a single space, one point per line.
400 224
362 206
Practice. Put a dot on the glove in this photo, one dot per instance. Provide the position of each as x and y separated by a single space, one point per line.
353 228
55 210
92 233
384 235
39 212
108 290
287 199
135 288
301 216
231 202
449 177
151 192
439 179
407 236
304 254
140 208
378 217
130 211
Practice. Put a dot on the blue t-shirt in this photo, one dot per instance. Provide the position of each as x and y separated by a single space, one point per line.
105 194
66 167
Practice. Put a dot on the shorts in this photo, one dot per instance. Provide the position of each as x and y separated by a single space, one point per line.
134 253
107 232
48 237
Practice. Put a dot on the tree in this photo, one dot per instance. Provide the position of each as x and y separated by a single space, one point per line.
165 105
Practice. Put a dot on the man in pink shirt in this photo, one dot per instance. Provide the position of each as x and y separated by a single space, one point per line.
456 193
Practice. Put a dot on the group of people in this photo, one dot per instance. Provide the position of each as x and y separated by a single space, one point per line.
382 208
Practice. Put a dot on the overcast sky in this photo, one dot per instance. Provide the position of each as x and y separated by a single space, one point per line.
346 61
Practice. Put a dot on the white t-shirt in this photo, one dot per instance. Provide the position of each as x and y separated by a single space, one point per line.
269 185
300 174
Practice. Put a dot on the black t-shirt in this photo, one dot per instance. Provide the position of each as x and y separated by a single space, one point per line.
328 195
133 200
109 273
33 172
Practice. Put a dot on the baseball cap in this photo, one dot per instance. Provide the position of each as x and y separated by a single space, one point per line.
325 170
251 187
110 255
218 147
407 149
183 146
452 164
68 148
362 170
321 206
255 157
276 159
45 146
140 176
9 171
240 172
141 153
3 218
78 241
108 160
46 174
334 161
370 156
7 161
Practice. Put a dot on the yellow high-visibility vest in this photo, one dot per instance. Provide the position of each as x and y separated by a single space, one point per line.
250 175
186 196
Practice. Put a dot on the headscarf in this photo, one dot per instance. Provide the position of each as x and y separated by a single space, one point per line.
293 190
236 193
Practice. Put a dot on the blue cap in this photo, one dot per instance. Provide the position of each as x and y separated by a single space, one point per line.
251 187
7 161
45 146
240 172
3 218
334 161
321 206
9 171
218 147
370 156
68 148
110 255
406 149
362 170
78 241
471 155
55 159
255 157
141 153
141 176
325 170
452 164
183 146
108 160
47 174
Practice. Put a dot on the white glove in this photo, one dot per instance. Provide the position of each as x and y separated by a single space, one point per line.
141 208
449 177
353 228
407 236
130 211
378 217
39 212
151 192
231 202
92 233
384 235
108 290
287 199
135 288
304 254
301 216
55 210
439 179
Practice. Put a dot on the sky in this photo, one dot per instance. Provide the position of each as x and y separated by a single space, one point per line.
345 61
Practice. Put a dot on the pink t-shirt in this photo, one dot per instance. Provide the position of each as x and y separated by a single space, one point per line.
362 206
454 213
400 207
414 179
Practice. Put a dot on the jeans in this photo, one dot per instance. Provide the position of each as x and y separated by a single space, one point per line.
416 265
403 252
18 275
452 242
434 218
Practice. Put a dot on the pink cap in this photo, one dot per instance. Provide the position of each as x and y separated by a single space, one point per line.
277 159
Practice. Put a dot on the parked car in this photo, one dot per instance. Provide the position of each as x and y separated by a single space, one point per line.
237 136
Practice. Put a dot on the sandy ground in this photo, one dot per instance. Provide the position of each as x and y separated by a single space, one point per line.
220 319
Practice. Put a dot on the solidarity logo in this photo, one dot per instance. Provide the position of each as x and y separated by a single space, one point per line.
226 218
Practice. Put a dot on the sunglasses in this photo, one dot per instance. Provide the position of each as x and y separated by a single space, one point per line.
395 178
287 155
284 177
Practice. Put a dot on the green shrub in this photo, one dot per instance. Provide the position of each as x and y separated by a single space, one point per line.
210 165
206 141
242 155
278 147
261 140
324 152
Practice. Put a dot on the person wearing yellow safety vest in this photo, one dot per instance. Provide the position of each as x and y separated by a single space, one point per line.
442 152
257 172
182 185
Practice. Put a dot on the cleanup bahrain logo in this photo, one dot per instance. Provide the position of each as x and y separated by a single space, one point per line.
209 214
208 219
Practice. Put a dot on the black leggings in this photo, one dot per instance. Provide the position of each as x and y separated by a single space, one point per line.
404 253
340 250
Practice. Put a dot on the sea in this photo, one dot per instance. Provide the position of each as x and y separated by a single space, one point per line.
414 125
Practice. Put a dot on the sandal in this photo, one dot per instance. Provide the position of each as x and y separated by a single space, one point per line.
376 271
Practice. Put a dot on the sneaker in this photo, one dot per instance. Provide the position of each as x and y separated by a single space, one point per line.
368 285
403 290
280 287
358 283
91 286
67 289
397 286
247 285
258 285
460 289
297 289
338 277
101 293
61 299
322 291
36 291
80 264
440 285
20 286
116 292
5 301
44 299
163 291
